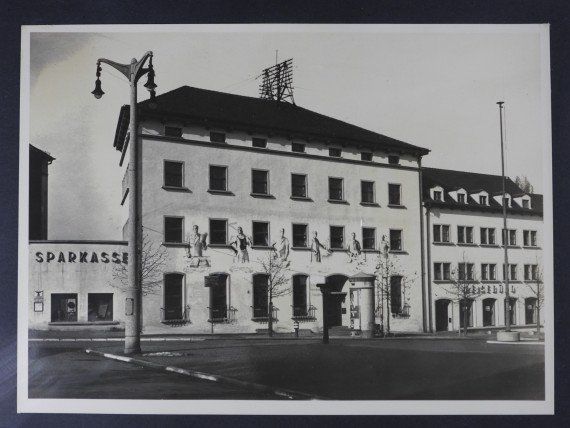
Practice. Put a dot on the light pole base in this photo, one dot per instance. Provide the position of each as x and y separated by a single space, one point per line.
508 336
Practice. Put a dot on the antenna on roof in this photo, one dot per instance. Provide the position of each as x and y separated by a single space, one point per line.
277 83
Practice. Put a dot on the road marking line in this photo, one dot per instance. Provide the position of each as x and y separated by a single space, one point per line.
209 377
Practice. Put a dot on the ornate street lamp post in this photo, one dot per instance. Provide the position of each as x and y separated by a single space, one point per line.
133 294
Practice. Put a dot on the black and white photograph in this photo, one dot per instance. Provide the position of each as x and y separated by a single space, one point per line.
286 219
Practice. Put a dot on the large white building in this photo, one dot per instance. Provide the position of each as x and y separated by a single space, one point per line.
229 182
464 224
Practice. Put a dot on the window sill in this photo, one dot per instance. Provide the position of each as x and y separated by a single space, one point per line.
369 204
338 250
301 198
448 244
370 250
174 244
83 323
532 247
511 246
466 244
221 192
262 195
337 201
261 247
402 207
529 281
398 252
442 281
490 245
490 281
301 248
177 189
220 246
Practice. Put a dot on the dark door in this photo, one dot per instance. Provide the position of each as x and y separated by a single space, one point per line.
488 312
512 312
173 297
441 315
333 308
530 310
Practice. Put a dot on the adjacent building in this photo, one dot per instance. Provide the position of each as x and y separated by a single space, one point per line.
465 245
38 193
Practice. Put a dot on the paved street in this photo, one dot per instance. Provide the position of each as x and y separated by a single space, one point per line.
449 369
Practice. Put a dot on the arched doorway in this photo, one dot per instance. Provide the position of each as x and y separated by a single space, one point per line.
442 314
488 312
530 310
333 308
513 310
466 312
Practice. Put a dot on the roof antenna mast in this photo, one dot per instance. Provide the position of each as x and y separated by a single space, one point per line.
277 82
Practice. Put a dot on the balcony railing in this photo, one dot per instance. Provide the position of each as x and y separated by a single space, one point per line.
304 313
262 315
222 314
175 317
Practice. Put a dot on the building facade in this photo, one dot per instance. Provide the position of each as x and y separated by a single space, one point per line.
38 193
230 183
465 245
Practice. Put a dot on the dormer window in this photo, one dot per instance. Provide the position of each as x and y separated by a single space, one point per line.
507 201
393 160
461 198
483 199
525 203
335 152
437 195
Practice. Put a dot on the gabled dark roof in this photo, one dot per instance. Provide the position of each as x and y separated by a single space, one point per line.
213 108
474 182
40 154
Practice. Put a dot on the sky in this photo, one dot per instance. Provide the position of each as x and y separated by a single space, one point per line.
433 87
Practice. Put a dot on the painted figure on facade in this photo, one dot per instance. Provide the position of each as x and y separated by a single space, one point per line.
196 246
282 246
240 244
354 248
316 248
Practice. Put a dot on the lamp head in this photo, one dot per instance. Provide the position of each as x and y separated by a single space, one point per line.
97 92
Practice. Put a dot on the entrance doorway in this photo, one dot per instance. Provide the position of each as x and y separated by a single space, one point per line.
488 312
442 314
333 308
530 310
513 307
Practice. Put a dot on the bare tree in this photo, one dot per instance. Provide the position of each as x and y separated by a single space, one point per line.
536 286
523 183
464 289
277 282
388 270
154 257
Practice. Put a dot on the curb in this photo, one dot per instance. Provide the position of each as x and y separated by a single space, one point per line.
521 342
118 339
283 393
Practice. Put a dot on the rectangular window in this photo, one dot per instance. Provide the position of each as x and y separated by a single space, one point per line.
335 189
217 137
464 234
260 233
173 131
337 236
298 147
465 271
63 307
300 235
396 294
512 272
368 238
483 200
173 173
335 152
366 156
527 272
299 185
100 307
300 296
395 240
484 272
442 271
259 182
218 231
367 191
394 194
529 238
260 296
173 296
259 142
441 233
437 195
393 160
461 198
533 242
525 203
512 237
492 272
218 178
173 229
218 298
487 236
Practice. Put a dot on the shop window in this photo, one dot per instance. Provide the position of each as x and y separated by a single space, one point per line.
100 307
64 307
466 312
218 297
